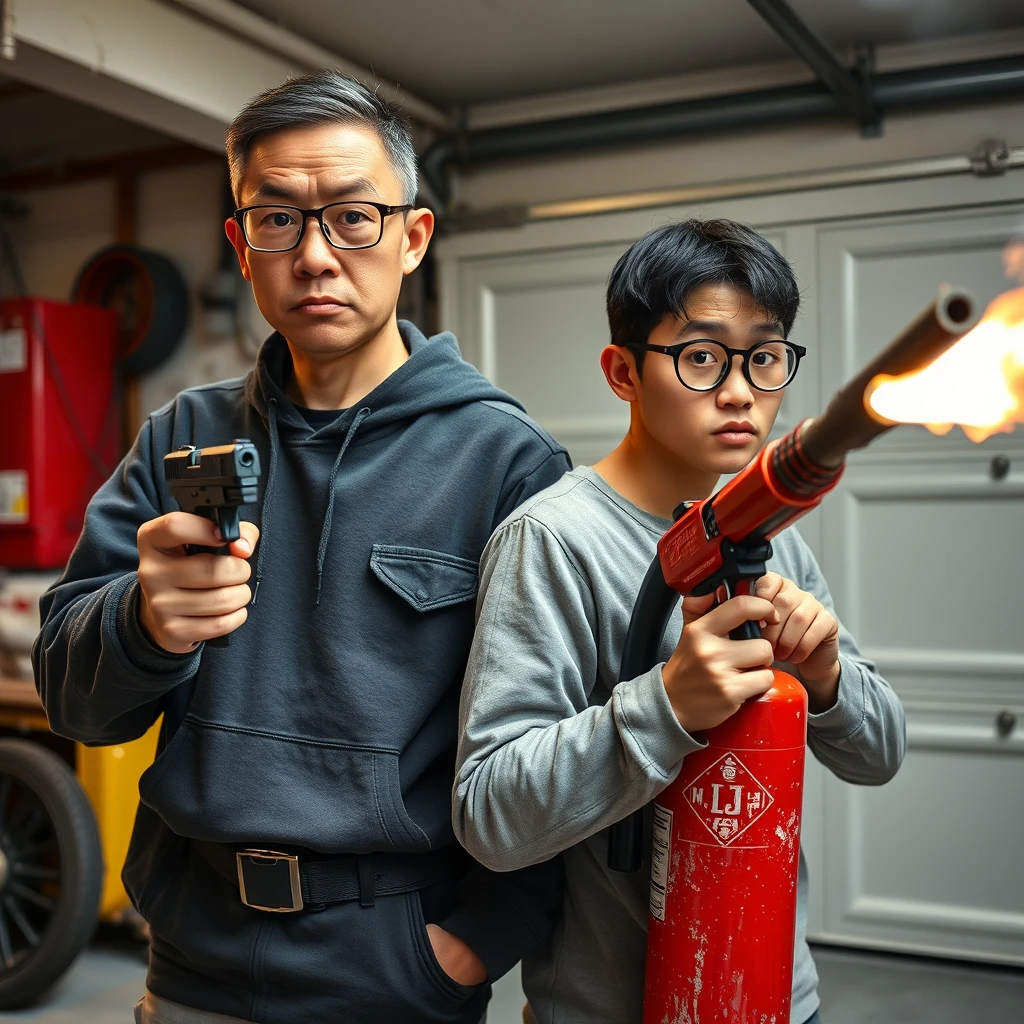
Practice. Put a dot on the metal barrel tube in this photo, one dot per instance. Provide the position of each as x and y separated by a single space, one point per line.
849 423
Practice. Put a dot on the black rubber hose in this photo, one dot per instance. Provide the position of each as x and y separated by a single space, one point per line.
654 606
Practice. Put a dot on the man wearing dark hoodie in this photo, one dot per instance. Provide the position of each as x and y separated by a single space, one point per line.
325 731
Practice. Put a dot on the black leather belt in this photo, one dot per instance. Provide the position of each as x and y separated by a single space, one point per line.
281 882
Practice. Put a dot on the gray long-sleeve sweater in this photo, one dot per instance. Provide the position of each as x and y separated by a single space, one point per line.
554 749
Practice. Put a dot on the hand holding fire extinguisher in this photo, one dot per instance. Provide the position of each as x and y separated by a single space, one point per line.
709 675
806 635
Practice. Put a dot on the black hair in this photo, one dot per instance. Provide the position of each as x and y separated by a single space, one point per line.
657 274
322 97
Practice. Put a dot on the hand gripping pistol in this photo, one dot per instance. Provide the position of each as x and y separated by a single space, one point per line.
214 483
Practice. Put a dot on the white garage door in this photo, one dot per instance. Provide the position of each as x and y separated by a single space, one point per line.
921 544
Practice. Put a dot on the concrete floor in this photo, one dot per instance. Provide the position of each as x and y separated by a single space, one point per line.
856 988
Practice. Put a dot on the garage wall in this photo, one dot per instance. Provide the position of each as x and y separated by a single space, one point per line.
179 215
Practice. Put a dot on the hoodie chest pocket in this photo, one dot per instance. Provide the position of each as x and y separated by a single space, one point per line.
426 579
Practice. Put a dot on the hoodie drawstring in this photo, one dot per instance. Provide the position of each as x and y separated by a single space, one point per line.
267 495
325 532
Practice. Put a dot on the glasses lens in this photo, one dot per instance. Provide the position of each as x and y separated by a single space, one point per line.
272 227
352 225
700 365
772 365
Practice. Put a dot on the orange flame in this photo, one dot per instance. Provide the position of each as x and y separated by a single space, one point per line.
977 384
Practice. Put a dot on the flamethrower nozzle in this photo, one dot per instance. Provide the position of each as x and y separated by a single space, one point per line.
849 422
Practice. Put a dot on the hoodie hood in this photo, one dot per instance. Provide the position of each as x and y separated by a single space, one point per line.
434 377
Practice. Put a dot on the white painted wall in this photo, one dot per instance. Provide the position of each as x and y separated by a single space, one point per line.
179 215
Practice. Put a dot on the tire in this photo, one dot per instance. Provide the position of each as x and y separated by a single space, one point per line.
149 295
51 870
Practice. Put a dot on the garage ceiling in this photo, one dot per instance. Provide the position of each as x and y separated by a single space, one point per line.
40 129
484 53
462 51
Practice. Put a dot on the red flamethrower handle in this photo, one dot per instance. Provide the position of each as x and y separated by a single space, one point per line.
749 630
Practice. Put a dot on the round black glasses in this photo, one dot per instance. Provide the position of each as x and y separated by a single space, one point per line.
703 365
344 225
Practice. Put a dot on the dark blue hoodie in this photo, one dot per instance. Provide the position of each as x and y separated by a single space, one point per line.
329 722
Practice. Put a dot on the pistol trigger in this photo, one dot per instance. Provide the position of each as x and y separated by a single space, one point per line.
227 520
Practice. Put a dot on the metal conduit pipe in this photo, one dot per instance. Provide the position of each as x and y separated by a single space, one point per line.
992 157
988 79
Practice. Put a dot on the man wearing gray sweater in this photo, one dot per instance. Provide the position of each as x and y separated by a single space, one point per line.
554 749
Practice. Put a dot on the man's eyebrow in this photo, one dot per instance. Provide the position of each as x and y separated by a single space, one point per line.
716 326
707 326
356 187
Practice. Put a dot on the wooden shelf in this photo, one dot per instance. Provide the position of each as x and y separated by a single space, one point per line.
20 706
19 693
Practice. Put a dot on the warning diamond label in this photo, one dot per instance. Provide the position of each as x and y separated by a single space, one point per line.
727 798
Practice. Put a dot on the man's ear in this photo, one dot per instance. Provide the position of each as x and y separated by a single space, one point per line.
619 367
234 232
419 228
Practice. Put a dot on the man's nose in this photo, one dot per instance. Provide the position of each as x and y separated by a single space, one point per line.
735 389
314 255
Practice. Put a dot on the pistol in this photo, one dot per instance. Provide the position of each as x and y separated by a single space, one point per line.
213 483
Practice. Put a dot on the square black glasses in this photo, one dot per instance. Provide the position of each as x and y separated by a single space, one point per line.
702 365
351 225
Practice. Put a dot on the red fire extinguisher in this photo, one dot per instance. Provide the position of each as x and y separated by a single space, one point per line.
725 846
733 812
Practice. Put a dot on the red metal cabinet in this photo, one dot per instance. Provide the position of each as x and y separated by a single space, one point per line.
59 420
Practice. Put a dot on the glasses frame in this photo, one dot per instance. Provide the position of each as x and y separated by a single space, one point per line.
318 214
744 353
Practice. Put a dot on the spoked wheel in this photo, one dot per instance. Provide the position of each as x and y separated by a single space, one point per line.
51 870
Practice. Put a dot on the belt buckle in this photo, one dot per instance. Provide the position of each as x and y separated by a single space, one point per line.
269 880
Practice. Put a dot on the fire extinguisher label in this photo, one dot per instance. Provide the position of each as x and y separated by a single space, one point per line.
13 350
661 858
728 798
14 496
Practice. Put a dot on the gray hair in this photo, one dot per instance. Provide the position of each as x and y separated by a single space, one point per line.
322 97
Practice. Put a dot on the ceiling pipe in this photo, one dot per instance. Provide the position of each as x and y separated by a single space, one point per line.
309 55
987 79
852 90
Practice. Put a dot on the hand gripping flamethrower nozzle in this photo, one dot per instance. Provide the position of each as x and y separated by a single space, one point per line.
724 541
